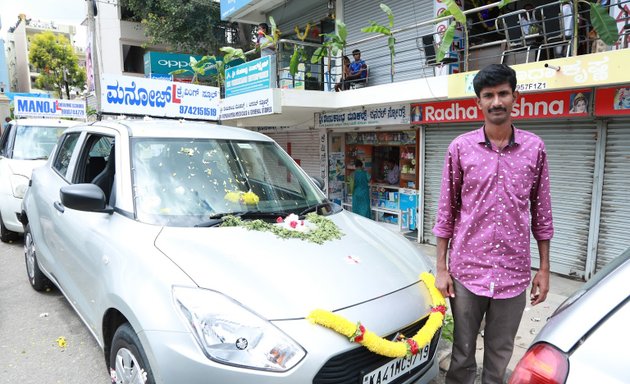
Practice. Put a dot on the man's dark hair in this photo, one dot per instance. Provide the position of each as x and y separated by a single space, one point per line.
358 163
356 51
493 75
265 27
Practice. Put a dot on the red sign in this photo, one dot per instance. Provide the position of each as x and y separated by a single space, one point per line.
528 106
613 101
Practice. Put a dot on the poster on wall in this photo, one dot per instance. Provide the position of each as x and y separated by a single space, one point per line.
613 101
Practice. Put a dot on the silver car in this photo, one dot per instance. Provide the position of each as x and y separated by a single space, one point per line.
585 340
24 145
171 240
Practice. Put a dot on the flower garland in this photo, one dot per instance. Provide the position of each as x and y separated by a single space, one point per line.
316 229
248 197
402 346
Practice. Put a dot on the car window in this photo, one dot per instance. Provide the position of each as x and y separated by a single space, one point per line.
34 142
5 141
184 181
64 154
93 158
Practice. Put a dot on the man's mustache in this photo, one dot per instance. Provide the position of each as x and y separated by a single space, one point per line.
497 109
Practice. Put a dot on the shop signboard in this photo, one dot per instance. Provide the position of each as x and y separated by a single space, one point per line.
163 63
613 101
574 103
252 104
25 106
251 76
388 115
159 98
598 69
229 7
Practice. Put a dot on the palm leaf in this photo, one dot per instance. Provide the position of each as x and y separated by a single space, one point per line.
390 14
341 30
319 53
376 29
604 24
295 61
454 10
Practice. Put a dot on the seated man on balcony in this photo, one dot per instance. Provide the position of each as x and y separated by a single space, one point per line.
358 71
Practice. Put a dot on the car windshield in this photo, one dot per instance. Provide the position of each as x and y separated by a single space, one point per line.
188 182
35 142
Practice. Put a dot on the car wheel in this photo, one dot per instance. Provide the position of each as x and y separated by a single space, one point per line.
127 362
6 235
36 277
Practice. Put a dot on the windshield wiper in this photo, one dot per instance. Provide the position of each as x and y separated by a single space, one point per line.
217 218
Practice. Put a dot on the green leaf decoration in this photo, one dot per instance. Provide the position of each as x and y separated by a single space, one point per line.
604 24
454 10
324 229
447 40
390 14
376 29
318 55
295 61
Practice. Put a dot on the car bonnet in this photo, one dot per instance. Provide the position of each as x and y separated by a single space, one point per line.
287 278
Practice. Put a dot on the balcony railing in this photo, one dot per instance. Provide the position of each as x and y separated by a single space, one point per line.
494 36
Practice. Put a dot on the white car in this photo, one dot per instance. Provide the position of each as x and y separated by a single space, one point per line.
199 253
24 145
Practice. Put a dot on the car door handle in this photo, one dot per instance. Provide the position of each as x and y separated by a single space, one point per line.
58 206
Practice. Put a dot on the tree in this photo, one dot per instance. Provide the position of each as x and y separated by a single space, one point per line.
53 56
193 27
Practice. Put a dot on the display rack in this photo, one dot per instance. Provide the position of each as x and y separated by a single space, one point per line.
408 166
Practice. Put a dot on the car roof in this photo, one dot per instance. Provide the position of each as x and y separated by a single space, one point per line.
46 122
164 128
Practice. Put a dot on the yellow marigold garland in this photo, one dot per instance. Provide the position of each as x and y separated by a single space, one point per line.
357 333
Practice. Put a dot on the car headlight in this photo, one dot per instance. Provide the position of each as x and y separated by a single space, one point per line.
230 334
19 184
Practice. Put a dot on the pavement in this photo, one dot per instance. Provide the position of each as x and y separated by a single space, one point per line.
533 320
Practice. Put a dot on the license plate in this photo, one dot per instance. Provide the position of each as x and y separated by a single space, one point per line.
396 368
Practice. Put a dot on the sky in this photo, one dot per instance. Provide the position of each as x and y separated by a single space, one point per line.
71 12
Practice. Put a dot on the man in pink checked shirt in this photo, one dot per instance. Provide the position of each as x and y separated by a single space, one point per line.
494 178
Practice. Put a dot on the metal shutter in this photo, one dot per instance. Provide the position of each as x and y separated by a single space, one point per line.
304 148
358 13
614 235
298 13
571 157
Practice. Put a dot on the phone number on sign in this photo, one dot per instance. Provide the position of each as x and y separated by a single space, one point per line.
197 111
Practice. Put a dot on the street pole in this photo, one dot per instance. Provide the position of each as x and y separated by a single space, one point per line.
91 11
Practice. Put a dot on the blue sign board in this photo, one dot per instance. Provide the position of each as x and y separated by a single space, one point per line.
228 7
163 63
251 76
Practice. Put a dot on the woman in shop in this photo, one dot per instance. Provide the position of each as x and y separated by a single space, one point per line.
361 191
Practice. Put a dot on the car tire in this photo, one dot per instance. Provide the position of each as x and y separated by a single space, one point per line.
6 236
36 277
127 361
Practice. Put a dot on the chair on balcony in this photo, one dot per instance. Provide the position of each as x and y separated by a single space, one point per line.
427 44
511 25
554 30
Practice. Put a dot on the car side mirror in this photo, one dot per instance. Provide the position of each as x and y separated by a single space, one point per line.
319 182
84 197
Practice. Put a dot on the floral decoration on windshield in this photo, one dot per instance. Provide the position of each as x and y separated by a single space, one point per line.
402 346
314 228
249 197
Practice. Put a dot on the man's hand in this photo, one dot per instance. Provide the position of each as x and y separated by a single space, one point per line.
540 287
444 283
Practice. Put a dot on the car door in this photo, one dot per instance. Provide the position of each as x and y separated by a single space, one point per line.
84 234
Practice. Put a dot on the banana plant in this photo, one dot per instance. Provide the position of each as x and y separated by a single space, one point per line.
386 31
198 68
230 55
334 43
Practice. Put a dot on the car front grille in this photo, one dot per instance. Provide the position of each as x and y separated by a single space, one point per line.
350 366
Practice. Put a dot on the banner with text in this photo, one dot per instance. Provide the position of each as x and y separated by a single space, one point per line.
392 115
598 69
614 101
42 107
575 103
159 98
252 104
251 76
